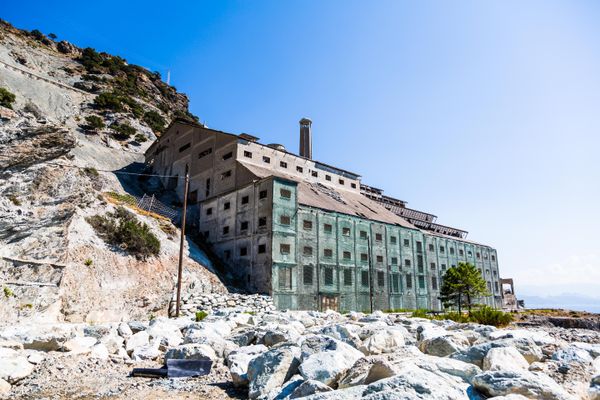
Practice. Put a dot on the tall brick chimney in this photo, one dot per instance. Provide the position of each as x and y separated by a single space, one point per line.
306 138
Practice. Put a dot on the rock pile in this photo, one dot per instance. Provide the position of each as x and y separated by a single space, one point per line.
211 302
318 356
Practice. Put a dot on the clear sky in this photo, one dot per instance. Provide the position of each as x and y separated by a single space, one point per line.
485 113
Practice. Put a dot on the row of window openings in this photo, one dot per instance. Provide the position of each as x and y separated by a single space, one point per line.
283 164
461 252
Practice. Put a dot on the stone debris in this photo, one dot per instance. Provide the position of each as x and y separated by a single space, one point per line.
305 354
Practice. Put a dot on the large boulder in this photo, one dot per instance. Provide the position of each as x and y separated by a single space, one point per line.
79 345
384 341
529 384
442 346
476 353
139 339
271 369
14 367
166 331
572 354
541 338
347 333
39 337
4 387
147 352
221 346
191 351
594 390
238 361
504 359
328 366
308 388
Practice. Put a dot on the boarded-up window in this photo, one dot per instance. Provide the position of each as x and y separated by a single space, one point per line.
347 255
380 279
347 277
285 220
328 253
285 278
408 281
364 278
285 193
307 274
284 248
307 225
328 275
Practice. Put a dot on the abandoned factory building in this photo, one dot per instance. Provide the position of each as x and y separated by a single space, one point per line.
308 233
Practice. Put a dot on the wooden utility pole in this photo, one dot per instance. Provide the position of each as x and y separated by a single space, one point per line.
182 241
371 279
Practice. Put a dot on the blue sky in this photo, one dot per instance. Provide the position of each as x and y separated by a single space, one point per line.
483 113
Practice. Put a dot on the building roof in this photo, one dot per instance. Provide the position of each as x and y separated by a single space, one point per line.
328 198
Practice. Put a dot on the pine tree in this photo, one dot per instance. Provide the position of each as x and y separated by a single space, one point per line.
461 285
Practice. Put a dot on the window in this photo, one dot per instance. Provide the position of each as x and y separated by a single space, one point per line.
184 147
284 248
285 220
307 225
431 247
315 174
262 221
327 228
227 156
485 256
380 279
245 199
393 239
421 282
285 193
244 225
380 259
452 250
364 257
346 255
363 234
226 205
347 277
262 194
495 273
204 153
307 251
328 275
461 252
419 247
443 267
478 255
453 266
225 230
247 154
433 283
327 177
493 257
442 249
408 281
225 174
394 260
495 286
378 237
487 271
489 287
285 278
300 169
406 243
396 283
262 248
341 181
328 253
353 185
266 160
432 266
243 251
227 254
420 263
364 278
346 231
282 164
469 253
209 211
407 263
307 274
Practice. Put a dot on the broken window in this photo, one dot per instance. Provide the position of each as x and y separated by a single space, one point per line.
328 276
209 211
308 251
378 237
328 253
225 230
285 193
184 147
262 221
266 160
225 174
227 156
245 199
247 154
469 253
347 277
285 278
307 225
204 153
433 283
262 248
300 169
408 281
285 220
364 257
226 205
364 278
244 225
284 248
380 279
347 255
307 274
243 251
327 228
262 194
346 231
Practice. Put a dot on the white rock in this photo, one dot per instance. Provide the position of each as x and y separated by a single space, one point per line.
79 345
14 368
112 342
137 340
100 352
36 358
124 330
385 341
572 354
328 366
539 337
238 361
191 351
147 352
271 369
308 388
528 384
444 345
44 337
504 359
166 331
4 387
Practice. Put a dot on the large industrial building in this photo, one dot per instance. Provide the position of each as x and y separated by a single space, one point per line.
308 233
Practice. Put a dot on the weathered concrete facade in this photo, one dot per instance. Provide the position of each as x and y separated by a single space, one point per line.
303 232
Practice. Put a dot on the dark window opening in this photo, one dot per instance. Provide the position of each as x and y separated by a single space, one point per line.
299 169
262 194
247 154
364 257
285 278
226 205
282 164
393 239
327 177
307 275
308 251
243 251
364 278
266 160
363 234
315 174
285 220
284 248
244 225
341 181
380 279
209 211
307 225
347 255
406 243
225 230
327 228
347 277
185 147
346 231
328 253
328 276
285 193
380 259
204 153
225 174
433 283
227 156
408 281
394 260
378 237
245 199
421 282
262 248
262 221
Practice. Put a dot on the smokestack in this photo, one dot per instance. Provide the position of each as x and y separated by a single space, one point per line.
306 138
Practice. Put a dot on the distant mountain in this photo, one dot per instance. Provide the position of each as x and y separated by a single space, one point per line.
571 301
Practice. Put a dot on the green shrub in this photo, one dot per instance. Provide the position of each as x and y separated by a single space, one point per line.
52 36
91 172
14 199
140 138
109 101
121 228
95 122
8 292
36 34
454 316
200 315
154 121
6 98
420 313
88 262
122 131
488 316
123 198
396 310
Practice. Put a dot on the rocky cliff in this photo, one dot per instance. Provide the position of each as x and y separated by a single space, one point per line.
68 116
